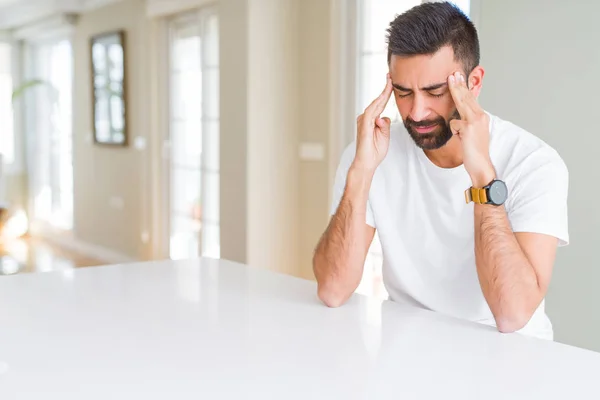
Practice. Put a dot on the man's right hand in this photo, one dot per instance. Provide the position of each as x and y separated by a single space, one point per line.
340 256
373 137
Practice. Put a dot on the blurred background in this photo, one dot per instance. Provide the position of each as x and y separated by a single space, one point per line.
154 129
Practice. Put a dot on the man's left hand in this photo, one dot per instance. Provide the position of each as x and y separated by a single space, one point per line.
473 131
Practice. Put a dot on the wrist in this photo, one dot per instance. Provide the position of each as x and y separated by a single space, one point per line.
362 170
483 177
360 177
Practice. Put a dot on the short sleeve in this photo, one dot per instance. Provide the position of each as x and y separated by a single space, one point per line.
538 197
340 184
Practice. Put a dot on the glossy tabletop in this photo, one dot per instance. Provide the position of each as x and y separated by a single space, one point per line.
207 329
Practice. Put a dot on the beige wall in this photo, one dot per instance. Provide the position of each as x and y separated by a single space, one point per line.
273 135
134 175
275 67
283 100
288 98
233 30
102 173
314 124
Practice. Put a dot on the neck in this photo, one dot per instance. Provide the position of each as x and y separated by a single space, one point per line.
448 156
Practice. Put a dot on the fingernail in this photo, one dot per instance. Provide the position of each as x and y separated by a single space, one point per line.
451 78
461 77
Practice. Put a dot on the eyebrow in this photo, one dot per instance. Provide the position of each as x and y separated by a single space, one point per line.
426 88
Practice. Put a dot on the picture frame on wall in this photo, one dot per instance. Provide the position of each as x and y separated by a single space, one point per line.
109 100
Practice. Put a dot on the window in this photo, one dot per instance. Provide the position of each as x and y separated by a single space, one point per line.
194 136
7 138
50 130
374 17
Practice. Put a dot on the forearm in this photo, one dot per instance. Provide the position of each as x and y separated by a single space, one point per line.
507 278
340 255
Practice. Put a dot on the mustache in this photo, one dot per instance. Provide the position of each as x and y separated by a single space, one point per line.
429 122
426 122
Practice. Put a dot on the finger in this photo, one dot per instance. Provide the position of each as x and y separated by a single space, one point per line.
463 98
469 100
457 126
383 124
458 94
378 105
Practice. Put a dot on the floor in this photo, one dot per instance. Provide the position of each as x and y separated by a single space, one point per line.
35 255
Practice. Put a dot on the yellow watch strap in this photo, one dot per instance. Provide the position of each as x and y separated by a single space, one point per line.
476 195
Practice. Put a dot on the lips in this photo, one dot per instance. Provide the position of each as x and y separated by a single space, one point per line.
425 129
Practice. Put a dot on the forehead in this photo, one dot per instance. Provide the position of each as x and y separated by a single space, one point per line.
423 70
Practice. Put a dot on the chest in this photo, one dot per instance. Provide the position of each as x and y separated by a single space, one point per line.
423 208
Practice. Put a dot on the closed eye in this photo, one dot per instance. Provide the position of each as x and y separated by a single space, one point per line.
437 94
402 95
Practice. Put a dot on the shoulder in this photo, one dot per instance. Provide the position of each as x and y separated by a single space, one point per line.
517 151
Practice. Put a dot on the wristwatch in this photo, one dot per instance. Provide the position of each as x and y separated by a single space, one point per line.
495 193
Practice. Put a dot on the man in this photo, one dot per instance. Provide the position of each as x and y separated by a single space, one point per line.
469 208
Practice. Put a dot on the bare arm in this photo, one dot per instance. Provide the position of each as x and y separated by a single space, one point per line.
514 269
340 255
339 258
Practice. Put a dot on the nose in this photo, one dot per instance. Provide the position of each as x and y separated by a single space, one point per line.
419 110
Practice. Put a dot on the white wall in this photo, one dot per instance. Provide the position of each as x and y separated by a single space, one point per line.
542 63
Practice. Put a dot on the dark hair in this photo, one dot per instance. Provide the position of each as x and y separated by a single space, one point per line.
426 28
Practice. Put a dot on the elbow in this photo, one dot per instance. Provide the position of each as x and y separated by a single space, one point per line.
512 322
331 290
331 298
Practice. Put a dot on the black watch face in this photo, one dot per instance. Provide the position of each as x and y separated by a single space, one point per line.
497 193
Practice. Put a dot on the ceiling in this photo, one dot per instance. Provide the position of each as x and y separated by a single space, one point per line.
17 13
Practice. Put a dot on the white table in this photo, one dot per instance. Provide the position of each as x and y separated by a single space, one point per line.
217 330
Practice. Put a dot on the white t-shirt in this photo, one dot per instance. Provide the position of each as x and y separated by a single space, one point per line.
426 228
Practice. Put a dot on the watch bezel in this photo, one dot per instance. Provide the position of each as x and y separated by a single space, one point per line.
490 194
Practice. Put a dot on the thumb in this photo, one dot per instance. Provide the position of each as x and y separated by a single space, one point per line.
383 124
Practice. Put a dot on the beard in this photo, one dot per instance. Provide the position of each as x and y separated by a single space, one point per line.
435 139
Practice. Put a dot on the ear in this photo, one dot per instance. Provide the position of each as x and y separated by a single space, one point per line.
476 80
